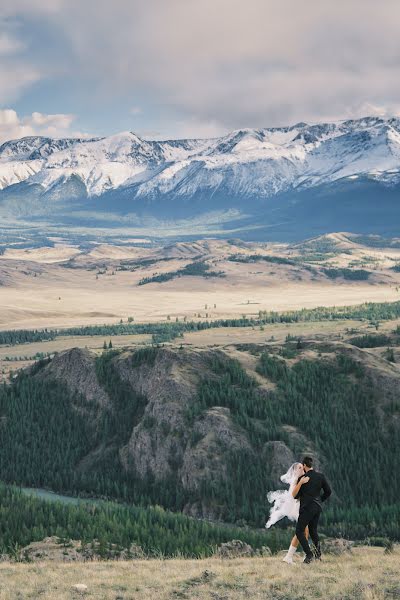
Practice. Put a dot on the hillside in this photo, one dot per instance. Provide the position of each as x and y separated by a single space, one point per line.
208 432
282 183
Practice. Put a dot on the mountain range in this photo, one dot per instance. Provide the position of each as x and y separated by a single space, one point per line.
277 183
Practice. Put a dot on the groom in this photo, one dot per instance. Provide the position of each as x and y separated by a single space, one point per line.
308 491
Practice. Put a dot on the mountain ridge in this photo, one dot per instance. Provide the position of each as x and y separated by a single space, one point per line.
249 178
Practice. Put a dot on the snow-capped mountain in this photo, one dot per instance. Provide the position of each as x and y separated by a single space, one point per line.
234 176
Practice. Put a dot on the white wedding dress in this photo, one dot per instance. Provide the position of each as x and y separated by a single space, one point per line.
283 503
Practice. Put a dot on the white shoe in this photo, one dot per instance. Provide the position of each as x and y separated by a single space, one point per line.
287 559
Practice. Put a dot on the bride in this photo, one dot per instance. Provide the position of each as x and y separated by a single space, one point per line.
284 505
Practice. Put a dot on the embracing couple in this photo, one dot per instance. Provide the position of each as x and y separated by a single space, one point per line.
301 503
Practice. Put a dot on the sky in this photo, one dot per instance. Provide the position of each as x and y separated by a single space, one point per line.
184 68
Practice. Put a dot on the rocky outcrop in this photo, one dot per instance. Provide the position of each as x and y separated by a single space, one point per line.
56 549
75 369
336 546
164 441
205 459
239 549
279 457
168 381
234 549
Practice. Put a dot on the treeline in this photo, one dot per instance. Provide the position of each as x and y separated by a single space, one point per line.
26 336
195 269
25 519
278 260
352 274
133 265
373 340
252 258
369 311
362 523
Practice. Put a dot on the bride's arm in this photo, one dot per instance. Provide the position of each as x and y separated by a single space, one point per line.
297 487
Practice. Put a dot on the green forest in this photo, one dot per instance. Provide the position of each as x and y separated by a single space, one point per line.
167 331
46 437
25 519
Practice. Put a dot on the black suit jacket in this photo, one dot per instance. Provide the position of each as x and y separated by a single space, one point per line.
311 491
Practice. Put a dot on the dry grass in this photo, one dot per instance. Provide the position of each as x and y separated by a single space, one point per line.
367 574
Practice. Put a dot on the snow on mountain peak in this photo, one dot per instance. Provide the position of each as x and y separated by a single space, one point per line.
261 161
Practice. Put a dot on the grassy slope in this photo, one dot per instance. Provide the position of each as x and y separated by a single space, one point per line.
367 574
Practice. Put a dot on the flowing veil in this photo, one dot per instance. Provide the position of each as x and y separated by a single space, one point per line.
283 503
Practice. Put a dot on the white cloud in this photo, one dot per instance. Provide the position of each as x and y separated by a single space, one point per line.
222 64
16 71
14 79
9 44
10 8
238 63
12 126
374 110
187 128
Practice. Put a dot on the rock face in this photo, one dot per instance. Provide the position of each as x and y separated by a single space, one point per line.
75 369
164 442
204 460
168 381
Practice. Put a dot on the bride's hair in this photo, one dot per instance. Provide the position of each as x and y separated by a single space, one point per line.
292 473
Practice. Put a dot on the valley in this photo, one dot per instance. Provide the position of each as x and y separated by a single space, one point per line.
64 286
189 375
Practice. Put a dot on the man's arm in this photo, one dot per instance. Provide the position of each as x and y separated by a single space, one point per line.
327 490
296 489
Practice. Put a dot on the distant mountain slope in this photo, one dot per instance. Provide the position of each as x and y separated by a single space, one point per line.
287 182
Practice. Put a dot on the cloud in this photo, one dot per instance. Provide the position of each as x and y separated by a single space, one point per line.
14 79
222 64
187 128
9 44
373 110
12 126
135 110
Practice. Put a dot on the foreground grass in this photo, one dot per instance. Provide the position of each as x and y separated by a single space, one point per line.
366 574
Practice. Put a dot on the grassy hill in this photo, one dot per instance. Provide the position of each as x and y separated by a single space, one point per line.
366 574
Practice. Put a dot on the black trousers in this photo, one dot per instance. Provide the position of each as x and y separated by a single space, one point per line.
309 515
